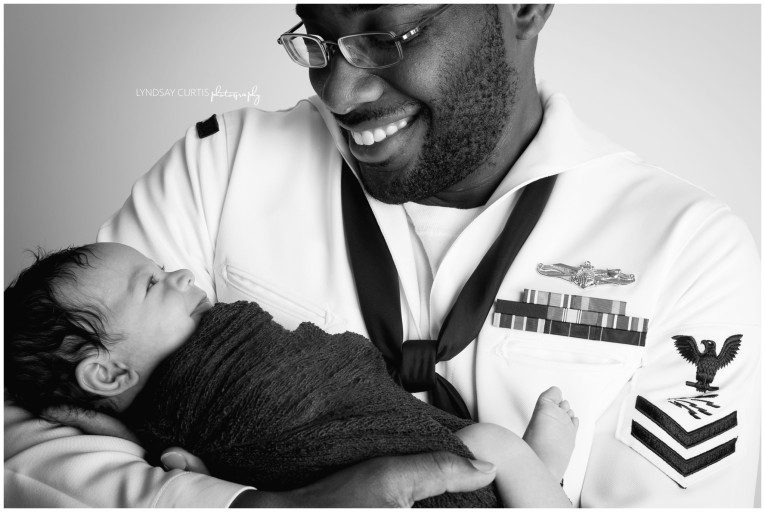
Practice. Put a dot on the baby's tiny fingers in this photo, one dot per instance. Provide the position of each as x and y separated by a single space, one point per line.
178 458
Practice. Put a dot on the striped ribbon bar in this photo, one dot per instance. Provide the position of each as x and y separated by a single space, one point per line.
561 300
584 331
575 316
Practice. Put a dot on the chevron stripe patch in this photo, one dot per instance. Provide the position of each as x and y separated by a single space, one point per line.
688 437
683 467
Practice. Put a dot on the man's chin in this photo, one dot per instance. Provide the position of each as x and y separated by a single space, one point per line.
387 188
385 167
382 180
383 189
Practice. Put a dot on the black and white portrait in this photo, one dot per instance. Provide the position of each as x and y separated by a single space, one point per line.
369 255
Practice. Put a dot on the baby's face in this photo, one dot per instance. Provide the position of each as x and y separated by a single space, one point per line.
153 311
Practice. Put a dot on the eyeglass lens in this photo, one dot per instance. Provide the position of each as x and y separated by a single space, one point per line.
370 50
364 50
305 51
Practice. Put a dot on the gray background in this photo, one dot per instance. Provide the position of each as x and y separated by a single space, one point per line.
679 85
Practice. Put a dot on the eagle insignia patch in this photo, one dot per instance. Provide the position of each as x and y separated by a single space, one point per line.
688 436
707 362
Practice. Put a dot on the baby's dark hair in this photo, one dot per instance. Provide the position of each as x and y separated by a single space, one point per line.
47 334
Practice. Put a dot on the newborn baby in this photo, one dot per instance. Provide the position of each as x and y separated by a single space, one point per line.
103 327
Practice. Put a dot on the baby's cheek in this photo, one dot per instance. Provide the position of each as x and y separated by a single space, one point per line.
182 335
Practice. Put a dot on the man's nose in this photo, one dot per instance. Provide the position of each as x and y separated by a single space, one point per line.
346 87
182 278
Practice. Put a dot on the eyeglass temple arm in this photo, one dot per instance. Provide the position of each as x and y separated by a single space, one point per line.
416 30
279 39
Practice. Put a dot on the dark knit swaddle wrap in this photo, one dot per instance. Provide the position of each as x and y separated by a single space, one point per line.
280 409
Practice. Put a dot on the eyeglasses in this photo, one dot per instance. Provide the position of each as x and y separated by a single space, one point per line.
368 50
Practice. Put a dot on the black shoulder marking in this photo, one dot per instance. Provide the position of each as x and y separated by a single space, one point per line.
684 467
687 438
207 127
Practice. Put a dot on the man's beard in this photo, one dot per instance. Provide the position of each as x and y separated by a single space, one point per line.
466 127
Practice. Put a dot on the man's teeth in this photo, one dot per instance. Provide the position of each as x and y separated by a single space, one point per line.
369 137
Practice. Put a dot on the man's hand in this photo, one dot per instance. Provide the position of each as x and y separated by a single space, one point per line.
382 482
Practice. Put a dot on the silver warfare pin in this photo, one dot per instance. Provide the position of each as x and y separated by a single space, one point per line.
585 275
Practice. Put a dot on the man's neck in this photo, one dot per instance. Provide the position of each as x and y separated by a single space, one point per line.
476 189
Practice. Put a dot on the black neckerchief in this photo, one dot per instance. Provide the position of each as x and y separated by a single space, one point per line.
412 364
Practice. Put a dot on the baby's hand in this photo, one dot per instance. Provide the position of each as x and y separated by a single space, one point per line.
178 458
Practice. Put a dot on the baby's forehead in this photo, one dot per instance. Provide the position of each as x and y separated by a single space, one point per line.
96 263
80 289
88 274
116 254
109 275
83 276
99 280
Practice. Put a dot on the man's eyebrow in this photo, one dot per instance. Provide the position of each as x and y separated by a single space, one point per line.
360 8
312 10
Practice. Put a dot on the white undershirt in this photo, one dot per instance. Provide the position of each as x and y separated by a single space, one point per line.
433 230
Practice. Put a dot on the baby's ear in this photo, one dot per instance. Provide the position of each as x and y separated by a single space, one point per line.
103 376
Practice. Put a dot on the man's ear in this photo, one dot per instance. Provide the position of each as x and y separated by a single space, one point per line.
530 18
104 376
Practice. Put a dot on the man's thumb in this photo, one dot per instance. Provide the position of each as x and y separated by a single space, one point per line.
483 466
442 472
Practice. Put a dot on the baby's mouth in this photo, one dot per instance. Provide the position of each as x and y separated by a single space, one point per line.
204 305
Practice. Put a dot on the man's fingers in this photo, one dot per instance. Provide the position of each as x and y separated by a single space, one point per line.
178 458
396 481
431 474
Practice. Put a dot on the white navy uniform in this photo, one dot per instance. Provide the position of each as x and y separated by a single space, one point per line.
253 208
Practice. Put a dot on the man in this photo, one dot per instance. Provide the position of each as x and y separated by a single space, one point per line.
477 186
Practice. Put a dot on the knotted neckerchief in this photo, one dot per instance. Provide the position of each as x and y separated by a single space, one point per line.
412 363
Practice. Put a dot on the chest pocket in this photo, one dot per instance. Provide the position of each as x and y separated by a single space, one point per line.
519 365
523 364
287 308
590 373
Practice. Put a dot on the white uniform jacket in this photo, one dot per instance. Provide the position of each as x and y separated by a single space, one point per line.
255 211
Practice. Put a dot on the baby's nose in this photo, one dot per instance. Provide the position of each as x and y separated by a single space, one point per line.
183 278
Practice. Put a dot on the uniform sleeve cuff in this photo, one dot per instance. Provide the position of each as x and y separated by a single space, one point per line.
193 490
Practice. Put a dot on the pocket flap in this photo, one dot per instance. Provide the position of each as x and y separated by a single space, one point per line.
287 308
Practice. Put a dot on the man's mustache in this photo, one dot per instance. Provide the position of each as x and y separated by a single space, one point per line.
355 117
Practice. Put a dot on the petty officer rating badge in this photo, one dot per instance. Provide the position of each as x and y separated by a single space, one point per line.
707 362
696 405
687 437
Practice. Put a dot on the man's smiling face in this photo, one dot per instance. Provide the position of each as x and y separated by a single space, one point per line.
442 110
